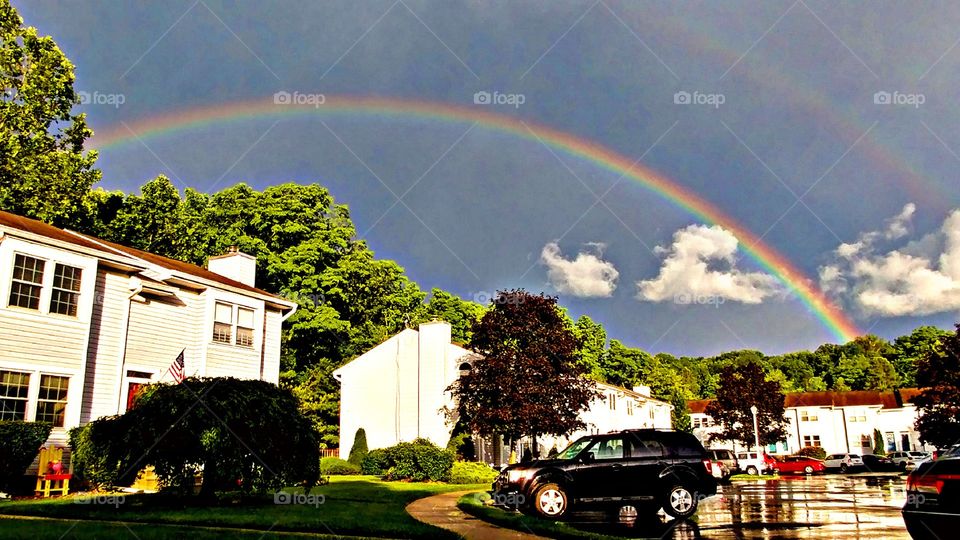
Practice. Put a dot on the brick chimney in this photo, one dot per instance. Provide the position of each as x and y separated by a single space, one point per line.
236 265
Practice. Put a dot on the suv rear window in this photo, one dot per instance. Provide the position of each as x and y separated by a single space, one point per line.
646 447
682 444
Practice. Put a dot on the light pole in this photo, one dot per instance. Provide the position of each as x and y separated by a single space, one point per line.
756 432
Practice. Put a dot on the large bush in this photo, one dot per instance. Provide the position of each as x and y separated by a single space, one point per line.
19 444
419 461
244 433
359 449
335 465
96 456
815 452
471 472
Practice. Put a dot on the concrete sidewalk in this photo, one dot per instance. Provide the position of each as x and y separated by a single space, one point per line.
441 511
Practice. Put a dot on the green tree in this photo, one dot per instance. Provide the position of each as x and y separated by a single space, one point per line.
740 388
593 345
44 172
461 314
881 375
938 373
530 381
359 449
879 449
625 366
911 349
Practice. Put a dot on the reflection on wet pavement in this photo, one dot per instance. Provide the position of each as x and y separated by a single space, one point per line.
831 506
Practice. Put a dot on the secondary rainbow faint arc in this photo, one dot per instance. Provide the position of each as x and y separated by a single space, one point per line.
772 261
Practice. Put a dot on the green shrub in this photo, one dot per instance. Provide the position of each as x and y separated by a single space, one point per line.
462 447
419 461
248 433
471 472
95 457
815 452
334 465
359 449
375 462
19 444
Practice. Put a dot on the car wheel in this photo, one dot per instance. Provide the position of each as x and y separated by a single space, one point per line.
843 467
551 501
808 470
751 470
680 502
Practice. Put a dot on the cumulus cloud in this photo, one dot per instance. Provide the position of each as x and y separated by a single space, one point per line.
920 278
587 275
700 264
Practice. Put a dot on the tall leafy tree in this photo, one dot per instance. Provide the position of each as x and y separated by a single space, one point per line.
911 349
530 381
740 388
44 171
593 345
939 403
461 314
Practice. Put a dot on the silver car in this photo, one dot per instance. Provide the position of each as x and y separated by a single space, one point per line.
844 462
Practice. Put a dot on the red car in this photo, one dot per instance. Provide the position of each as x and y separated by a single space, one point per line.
798 465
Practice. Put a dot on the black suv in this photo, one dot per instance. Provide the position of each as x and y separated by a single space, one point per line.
644 467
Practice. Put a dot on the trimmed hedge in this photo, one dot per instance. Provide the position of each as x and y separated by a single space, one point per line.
96 459
471 472
419 461
815 452
19 444
334 465
359 449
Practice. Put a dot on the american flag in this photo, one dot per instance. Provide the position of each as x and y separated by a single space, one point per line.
176 368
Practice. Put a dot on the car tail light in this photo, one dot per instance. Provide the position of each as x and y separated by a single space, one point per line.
929 483
708 465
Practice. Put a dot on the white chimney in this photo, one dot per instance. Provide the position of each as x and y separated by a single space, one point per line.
643 390
235 265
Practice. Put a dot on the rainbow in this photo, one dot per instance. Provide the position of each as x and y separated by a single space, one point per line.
841 326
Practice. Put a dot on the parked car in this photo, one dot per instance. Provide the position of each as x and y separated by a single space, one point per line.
798 465
932 509
948 452
874 463
844 462
634 468
754 463
724 462
907 460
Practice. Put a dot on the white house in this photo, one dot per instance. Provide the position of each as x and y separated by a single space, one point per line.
836 421
85 322
397 392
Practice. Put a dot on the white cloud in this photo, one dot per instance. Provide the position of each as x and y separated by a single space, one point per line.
587 275
921 278
689 274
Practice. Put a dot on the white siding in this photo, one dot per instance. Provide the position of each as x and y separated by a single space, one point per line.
271 347
160 329
107 331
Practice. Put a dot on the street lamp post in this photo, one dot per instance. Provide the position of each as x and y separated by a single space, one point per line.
756 432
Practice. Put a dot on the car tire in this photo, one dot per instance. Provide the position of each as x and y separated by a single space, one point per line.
551 501
843 468
680 502
752 471
808 470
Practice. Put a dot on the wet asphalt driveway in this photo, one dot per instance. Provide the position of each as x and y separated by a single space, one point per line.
829 506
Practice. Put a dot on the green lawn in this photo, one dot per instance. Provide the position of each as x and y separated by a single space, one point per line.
354 505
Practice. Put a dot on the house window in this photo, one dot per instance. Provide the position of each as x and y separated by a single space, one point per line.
808 417
14 387
66 290
52 401
629 407
245 327
27 282
865 441
613 402
811 440
651 413
223 323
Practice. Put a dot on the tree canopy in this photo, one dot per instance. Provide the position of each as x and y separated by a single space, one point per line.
743 387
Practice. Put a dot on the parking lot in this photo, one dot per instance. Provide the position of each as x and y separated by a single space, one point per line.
857 506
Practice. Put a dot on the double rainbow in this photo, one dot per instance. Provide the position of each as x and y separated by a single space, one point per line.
841 326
